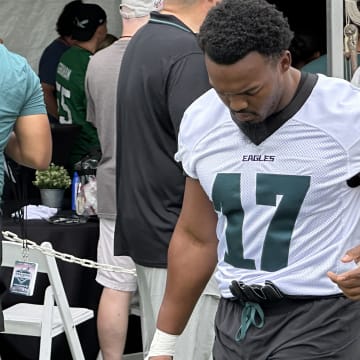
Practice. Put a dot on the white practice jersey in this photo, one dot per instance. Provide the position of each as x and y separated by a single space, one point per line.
285 211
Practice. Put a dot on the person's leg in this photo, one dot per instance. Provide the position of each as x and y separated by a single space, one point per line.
113 310
151 288
197 340
327 328
112 322
330 329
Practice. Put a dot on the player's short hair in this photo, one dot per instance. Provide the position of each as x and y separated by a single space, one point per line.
234 28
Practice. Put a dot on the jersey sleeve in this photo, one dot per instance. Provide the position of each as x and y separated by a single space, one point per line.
183 155
355 80
354 158
351 132
197 122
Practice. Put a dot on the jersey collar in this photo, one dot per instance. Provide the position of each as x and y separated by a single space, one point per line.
257 133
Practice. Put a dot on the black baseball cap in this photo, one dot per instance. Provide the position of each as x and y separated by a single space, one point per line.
88 19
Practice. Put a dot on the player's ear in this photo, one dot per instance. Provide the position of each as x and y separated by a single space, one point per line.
285 60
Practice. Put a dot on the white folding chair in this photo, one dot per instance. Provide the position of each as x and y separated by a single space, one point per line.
46 320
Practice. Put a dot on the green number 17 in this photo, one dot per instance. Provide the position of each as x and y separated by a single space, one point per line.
226 199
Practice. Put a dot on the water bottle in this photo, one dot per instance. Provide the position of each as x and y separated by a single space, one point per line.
74 190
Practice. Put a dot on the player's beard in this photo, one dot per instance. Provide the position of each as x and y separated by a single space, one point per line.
256 132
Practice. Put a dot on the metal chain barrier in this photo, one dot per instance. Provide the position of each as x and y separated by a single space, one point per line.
8 235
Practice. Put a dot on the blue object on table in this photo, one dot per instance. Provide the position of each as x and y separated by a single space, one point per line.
74 188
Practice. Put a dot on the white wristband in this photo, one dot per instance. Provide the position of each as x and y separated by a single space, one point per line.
162 344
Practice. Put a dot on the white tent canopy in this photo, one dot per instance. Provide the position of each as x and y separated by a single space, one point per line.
28 26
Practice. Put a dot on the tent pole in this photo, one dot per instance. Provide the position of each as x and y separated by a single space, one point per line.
334 37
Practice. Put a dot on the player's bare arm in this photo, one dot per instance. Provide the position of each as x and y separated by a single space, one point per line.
30 144
192 258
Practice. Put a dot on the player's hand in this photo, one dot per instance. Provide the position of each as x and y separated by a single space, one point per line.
349 281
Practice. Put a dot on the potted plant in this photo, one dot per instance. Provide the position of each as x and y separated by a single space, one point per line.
52 182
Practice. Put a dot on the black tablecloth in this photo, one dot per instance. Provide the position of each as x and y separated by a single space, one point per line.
79 282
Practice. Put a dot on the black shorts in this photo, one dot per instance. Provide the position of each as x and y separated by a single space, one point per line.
327 328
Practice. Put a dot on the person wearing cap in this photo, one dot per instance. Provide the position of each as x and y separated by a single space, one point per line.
162 73
101 86
50 57
89 31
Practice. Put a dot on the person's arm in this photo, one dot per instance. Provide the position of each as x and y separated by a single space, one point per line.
192 258
349 282
30 143
50 99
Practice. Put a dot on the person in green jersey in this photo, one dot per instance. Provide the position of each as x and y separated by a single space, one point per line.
89 32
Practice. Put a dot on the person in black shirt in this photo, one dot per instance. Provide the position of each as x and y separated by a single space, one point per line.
162 73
